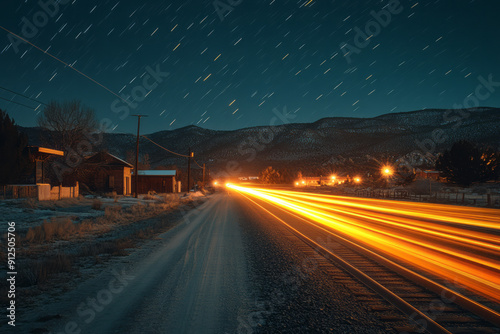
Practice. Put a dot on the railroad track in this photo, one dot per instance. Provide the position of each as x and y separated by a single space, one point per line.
425 304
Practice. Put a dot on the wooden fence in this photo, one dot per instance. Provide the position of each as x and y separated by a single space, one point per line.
490 200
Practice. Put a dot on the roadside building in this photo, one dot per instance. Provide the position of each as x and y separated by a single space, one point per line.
40 155
159 181
104 172
38 185
428 174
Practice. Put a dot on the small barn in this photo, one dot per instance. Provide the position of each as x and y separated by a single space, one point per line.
104 172
159 181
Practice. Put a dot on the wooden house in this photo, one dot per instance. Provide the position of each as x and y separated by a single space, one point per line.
159 181
104 172
428 174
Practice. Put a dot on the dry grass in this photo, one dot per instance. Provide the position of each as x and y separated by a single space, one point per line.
112 195
61 228
170 199
150 196
36 272
113 213
110 247
138 209
42 271
96 204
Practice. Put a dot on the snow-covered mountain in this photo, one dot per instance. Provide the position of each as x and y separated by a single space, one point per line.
314 144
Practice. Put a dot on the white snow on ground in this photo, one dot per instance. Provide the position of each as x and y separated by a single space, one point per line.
27 214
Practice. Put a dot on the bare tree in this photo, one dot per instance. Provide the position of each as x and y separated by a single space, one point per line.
67 123
67 126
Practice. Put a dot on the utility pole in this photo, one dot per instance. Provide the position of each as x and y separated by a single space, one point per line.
208 174
190 155
203 182
136 172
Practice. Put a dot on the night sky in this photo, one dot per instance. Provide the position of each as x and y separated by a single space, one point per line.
228 72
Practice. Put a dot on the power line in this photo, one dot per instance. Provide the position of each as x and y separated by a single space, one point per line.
24 105
74 69
197 164
27 97
181 155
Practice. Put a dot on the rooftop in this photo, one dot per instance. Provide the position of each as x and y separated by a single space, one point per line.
157 172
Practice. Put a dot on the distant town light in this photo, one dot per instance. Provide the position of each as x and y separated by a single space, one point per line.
387 170
296 183
357 180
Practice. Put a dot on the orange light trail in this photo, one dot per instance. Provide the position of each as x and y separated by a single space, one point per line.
459 244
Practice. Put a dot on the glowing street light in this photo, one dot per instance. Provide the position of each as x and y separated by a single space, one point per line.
387 171
357 180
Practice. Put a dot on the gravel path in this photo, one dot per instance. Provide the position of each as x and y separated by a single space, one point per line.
294 294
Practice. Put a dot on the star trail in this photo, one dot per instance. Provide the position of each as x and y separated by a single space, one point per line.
226 64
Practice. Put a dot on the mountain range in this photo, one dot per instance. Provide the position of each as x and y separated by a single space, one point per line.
328 141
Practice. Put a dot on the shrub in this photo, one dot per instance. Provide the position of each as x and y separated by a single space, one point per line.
113 213
56 228
138 209
150 196
96 204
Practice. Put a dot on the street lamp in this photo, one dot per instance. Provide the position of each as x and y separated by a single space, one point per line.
387 172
